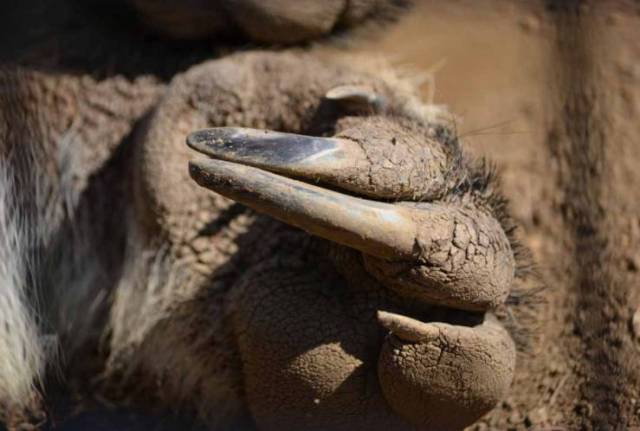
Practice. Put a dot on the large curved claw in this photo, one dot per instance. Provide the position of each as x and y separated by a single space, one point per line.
389 165
445 254
375 228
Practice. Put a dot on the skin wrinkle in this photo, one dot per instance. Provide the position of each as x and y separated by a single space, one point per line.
385 145
438 264
447 350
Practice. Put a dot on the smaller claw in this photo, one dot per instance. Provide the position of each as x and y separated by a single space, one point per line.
406 328
356 98
442 376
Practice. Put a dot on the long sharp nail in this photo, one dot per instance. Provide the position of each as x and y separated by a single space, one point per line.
329 160
375 228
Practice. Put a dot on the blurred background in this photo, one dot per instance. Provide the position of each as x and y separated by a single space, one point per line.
549 91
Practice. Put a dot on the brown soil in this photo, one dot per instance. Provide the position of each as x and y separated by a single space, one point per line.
553 97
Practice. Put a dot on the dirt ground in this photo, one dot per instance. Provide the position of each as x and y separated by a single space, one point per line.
553 98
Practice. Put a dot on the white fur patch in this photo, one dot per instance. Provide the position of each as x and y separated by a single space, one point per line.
21 350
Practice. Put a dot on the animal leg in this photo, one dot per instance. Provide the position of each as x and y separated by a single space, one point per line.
352 159
436 375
